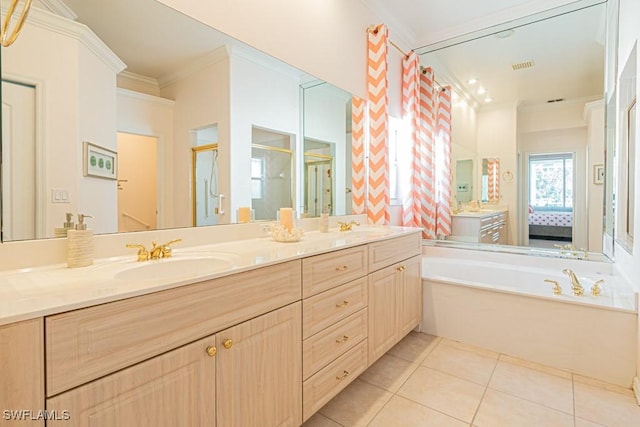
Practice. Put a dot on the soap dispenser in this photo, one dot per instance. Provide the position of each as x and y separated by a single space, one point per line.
80 244
68 225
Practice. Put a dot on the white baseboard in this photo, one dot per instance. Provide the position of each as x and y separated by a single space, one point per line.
636 388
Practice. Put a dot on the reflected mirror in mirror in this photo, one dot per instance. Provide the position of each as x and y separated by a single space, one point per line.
526 88
490 180
327 149
99 84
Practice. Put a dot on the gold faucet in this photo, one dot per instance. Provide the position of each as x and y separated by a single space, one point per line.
596 290
557 290
156 252
347 226
578 290
573 251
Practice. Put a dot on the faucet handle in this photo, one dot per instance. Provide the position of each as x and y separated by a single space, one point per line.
166 248
143 254
596 290
557 290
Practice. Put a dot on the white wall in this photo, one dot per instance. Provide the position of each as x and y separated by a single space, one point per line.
70 109
497 133
324 38
629 264
464 142
152 116
201 99
262 97
594 115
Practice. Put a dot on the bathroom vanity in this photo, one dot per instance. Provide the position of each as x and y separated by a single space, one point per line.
267 337
483 226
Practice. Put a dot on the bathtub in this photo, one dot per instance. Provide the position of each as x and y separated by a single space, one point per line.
503 304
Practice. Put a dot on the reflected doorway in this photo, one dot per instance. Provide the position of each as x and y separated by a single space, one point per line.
318 184
551 200
137 182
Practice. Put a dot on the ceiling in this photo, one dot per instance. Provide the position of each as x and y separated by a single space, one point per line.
568 57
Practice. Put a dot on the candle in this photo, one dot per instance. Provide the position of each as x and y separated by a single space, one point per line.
244 214
286 218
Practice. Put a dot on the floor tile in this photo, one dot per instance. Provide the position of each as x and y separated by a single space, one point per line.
499 409
584 423
606 407
536 366
601 384
468 347
401 412
462 362
389 372
533 385
319 420
442 392
415 347
357 404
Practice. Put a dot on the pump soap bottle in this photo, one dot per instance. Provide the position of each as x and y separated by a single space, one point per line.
80 244
68 225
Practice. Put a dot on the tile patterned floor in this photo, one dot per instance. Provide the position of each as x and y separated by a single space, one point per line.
429 381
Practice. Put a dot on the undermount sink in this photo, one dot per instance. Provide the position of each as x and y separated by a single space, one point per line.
173 268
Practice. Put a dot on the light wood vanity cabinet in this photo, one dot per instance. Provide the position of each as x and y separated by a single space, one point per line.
22 373
266 347
395 292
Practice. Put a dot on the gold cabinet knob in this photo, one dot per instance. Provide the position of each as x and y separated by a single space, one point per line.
211 351
227 343
401 268
343 339
342 304
345 374
342 268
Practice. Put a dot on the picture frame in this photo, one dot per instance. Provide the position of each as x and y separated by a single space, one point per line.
99 162
598 174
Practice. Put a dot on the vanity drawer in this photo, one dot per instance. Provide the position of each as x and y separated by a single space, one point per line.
325 346
327 308
89 343
387 252
326 271
323 386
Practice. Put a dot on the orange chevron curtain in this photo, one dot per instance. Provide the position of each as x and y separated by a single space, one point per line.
494 183
378 206
357 155
443 163
418 207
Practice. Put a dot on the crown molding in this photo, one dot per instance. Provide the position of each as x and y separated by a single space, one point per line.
265 61
145 97
75 30
57 7
219 54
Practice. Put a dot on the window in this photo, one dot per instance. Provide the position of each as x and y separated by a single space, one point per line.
257 178
551 181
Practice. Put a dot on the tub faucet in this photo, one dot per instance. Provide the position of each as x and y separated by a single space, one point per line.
578 290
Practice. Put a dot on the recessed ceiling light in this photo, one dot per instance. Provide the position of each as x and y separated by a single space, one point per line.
472 81
488 99
481 90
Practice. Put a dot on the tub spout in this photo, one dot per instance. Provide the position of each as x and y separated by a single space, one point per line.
578 290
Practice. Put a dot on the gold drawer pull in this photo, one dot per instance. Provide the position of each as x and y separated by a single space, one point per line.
227 343
342 268
343 304
344 375
343 339
211 351
401 268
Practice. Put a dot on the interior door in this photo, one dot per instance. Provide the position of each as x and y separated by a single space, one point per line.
18 182
137 182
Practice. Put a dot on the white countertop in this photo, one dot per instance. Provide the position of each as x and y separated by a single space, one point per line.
482 213
35 292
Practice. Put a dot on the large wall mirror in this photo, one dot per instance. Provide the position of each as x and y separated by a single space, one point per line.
528 125
185 112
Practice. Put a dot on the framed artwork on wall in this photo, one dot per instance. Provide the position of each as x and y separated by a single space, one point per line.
99 162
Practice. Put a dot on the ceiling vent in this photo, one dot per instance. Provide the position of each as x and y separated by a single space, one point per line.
523 65
551 101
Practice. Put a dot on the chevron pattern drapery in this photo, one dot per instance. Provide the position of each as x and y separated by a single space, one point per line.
357 155
443 163
378 206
